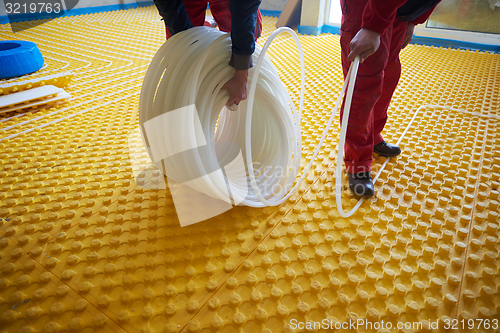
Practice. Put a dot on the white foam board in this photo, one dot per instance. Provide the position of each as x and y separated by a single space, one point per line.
12 100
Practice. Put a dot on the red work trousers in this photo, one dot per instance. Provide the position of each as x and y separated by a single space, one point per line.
377 79
196 10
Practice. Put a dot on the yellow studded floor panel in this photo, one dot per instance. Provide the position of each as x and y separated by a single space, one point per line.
84 248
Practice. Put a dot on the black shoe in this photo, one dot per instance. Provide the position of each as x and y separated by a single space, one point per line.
361 184
386 149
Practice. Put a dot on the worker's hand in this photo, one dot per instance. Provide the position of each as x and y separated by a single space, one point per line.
408 35
364 44
237 87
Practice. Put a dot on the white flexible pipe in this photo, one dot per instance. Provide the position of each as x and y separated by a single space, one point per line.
191 68
283 196
351 79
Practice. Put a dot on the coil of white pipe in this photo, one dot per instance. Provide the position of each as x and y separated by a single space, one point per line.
190 69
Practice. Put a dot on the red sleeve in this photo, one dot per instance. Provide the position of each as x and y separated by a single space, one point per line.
379 15
422 18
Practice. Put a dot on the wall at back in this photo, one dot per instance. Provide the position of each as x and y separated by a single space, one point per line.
273 5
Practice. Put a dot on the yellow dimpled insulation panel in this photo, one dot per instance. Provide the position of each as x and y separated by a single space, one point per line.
86 247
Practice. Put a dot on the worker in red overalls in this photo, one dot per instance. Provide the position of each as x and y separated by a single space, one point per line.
376 31
240 17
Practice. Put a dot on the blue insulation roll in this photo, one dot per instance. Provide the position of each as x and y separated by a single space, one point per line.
19 58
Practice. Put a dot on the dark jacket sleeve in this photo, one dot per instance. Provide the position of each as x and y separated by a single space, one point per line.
174 14
422 18
243 19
